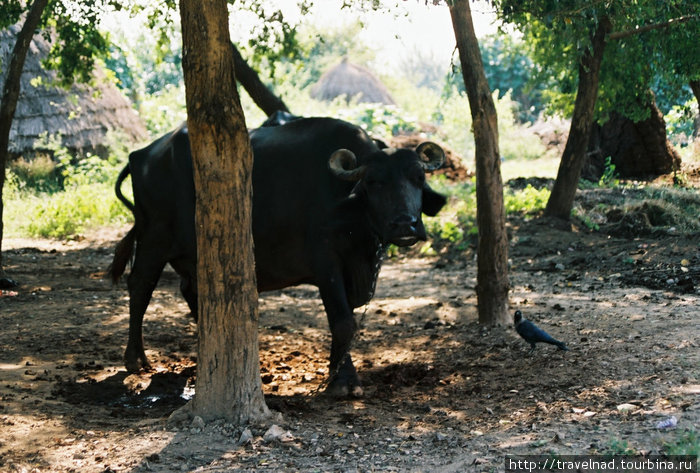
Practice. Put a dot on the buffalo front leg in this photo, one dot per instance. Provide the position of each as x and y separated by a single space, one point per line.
343 380
141 283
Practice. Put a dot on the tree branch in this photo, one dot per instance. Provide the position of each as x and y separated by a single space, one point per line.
655 26
249 79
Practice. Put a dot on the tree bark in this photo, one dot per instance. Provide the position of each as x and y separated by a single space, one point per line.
492 273
637 149
695 87
561 199
228 364
249 79
10 96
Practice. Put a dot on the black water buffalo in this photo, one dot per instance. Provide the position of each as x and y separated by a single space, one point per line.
326 202
279 118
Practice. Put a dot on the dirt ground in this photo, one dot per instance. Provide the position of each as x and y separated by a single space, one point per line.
441 392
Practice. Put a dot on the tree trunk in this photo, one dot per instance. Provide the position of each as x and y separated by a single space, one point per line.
695 87
249 79
561 199
637 149
228 364
8 105
492 273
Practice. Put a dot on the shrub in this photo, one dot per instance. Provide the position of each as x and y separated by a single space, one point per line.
39 174
164 110
67 214
527 201
83 197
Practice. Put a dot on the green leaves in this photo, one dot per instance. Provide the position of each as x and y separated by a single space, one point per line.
10 12
560 33
72 29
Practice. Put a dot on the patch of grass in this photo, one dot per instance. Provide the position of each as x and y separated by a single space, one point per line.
664 208
39 173
455 225
65 214
81 196
619 447
581 216
545 166
673 206
687 442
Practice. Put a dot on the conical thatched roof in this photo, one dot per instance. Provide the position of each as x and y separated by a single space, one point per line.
81 115
351 81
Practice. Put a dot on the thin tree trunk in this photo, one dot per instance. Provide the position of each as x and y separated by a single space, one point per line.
695 87
492 273
249 79
561 199
10 96
637 149
228 364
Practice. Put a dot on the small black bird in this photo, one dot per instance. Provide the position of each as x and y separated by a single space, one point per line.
532 334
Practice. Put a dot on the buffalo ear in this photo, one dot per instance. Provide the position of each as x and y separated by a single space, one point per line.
432 201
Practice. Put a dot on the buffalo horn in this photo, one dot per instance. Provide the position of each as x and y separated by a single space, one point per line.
431 155
343 164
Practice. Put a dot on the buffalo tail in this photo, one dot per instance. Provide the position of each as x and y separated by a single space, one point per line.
118 187
122 255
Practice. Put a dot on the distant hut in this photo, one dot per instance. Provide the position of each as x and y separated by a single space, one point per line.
82 115
353 82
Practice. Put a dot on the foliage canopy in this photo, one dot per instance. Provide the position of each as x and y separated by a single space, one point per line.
73 28
652 43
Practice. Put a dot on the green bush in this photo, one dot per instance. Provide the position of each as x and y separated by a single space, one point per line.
516 142
379 120
84 199
164 110
679 120
67 214
527 201
610 177
456 223
457 220
39 173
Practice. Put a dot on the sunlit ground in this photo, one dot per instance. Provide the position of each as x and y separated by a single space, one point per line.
544 167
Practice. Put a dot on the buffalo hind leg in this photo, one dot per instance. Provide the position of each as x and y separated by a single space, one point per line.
141 283
343 379
189 292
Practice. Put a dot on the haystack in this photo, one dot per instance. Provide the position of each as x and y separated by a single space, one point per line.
82 115
352 82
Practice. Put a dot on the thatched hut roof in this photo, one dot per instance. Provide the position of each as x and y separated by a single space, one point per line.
81 115
351 81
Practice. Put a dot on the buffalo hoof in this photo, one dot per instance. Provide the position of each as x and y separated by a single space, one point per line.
137 364
340 388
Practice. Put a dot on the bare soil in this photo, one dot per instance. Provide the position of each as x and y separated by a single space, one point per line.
442 393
